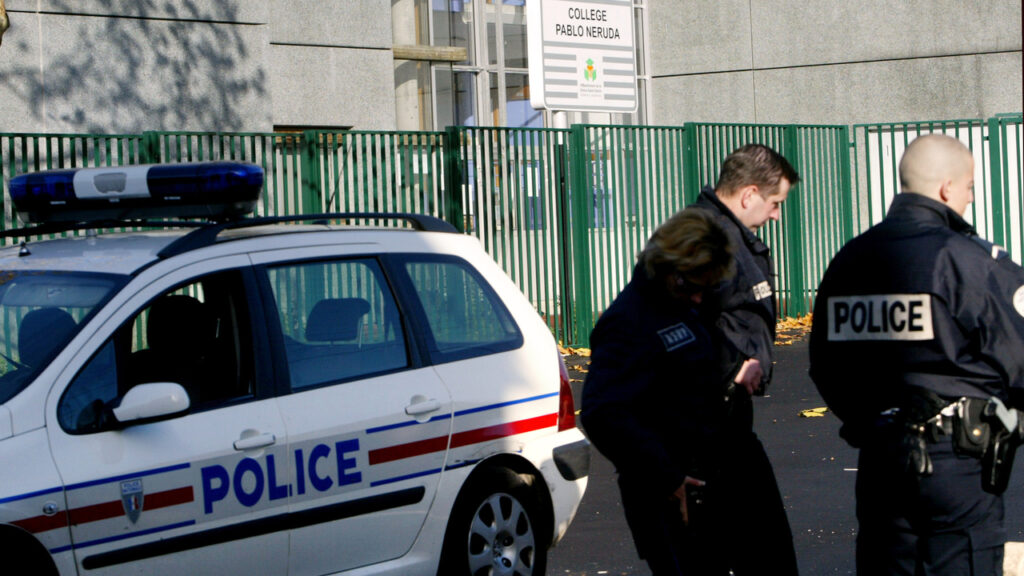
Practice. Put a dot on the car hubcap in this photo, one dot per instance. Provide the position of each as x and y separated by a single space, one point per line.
501 540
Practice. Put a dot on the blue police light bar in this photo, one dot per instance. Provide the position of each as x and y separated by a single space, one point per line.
212 190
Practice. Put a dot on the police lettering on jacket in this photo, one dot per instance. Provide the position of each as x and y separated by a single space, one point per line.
880 317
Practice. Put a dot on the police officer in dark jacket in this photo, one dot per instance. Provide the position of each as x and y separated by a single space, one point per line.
752 185
653 398
918 347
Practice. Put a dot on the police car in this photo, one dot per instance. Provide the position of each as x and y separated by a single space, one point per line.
245 395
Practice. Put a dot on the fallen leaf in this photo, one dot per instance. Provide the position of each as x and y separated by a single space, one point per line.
813 412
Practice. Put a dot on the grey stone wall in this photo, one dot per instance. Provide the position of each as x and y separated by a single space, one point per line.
832 62
331 64
125 66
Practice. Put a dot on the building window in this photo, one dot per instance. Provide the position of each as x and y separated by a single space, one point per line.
491 86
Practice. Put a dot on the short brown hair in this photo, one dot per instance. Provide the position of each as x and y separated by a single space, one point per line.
691 244
758 165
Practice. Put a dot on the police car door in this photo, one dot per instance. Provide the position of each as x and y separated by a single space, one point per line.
368 430
196 492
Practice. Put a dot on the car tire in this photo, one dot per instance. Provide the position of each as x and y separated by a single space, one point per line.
24 554
493 530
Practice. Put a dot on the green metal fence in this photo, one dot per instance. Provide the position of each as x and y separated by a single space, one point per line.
566 211
815 219
509 188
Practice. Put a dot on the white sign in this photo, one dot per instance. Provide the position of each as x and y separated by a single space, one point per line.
582 56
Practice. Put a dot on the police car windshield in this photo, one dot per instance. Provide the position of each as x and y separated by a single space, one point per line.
39 314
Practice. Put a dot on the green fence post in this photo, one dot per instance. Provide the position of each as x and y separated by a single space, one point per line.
149 150
563 239
453 149
691 164
995 158
580 195
311 182
793 208
846 147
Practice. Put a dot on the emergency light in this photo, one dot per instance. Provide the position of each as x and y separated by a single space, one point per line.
212 190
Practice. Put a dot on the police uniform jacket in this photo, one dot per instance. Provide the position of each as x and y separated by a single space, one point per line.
746 302
917 300
649 400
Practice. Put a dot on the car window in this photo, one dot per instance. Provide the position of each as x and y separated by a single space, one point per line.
197 335
338 319
465 316
39 313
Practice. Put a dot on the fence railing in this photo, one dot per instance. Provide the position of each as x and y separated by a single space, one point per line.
566 211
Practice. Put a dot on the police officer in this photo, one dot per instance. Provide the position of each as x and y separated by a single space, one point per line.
653 397
917 347
752 185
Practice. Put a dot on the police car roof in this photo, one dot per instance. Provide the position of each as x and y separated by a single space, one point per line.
61 201
128 252
120 253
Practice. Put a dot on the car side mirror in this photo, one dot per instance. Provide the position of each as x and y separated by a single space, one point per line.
152 401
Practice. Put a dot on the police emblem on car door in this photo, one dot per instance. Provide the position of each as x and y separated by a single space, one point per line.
132 498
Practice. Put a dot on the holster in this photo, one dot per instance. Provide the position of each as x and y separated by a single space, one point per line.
1007 433
986 429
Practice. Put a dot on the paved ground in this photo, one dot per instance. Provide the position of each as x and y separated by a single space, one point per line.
814 467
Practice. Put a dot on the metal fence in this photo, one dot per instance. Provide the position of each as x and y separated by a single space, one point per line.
566 211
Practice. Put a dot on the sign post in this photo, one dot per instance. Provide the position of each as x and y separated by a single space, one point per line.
582 56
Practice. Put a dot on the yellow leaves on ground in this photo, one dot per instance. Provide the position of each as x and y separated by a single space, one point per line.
798 323
813 412
790 330
584 352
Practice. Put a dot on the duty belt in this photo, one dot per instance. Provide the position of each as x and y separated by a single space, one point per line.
983 428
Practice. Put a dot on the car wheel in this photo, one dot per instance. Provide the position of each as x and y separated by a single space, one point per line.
24 554
493 531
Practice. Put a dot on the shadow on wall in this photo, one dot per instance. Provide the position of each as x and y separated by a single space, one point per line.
132 66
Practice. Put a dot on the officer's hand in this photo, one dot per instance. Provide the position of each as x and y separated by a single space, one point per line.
750 375
680 495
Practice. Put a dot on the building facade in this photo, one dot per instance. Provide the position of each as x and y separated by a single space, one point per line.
123 66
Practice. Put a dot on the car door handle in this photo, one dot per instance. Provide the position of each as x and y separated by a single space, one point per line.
422 407
257 441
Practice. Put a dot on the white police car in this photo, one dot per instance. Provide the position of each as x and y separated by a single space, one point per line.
251 396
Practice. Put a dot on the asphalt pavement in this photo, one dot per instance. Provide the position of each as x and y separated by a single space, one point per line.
815 470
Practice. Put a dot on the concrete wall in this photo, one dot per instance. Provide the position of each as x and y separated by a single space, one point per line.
832 62
115 66
121 66
331 63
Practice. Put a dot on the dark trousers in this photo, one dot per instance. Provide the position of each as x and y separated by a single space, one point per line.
938 525
668 546
742 525
754 514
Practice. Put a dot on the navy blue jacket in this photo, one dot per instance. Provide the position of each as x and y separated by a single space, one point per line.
917 300
747 301
652 403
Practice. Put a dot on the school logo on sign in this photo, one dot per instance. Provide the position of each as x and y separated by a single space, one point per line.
132 498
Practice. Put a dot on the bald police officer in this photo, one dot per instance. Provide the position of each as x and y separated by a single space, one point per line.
918 347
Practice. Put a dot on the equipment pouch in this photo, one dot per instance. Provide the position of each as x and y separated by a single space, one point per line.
971 433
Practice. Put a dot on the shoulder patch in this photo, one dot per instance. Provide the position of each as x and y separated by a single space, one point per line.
762 290
996 251
676 336
1018 300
